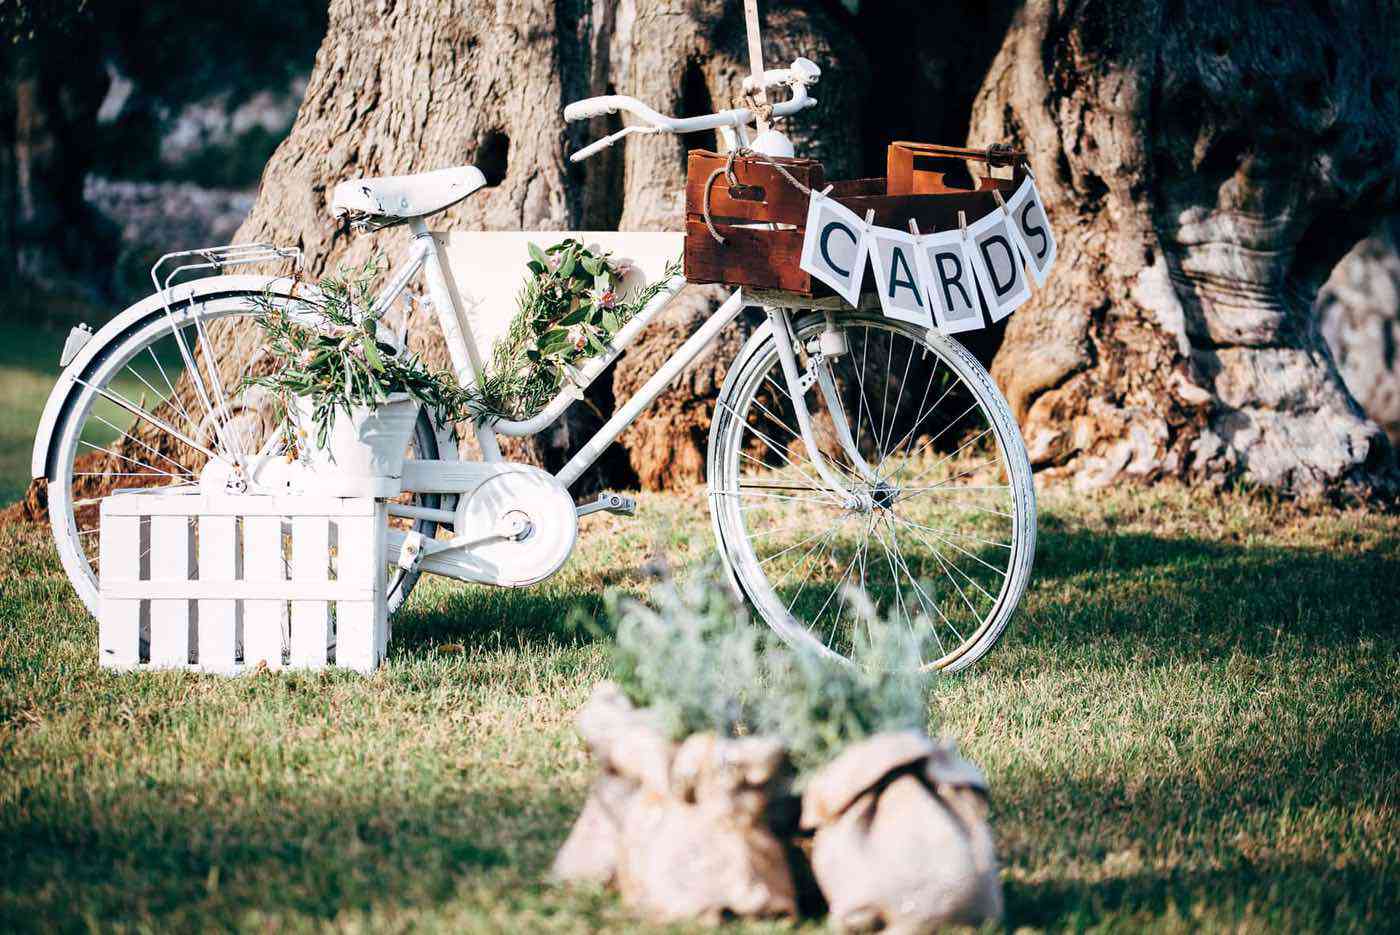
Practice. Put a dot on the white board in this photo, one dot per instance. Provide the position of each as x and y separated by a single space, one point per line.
486 269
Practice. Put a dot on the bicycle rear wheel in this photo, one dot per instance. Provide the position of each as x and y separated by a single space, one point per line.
131 423
941 534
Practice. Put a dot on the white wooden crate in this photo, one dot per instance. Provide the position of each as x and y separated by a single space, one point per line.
222 583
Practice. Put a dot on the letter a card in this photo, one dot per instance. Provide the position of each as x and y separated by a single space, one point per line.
997 262
894 255
835 246
1032 226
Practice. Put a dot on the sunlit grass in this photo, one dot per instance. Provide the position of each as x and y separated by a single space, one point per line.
29 356
1191 725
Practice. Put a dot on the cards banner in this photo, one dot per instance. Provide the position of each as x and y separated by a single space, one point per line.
943 280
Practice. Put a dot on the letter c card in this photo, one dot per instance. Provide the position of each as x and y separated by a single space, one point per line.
835 246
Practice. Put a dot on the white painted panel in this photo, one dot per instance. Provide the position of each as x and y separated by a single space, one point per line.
310 618
263 619
170 617
217 616
119 620
485 269
361 632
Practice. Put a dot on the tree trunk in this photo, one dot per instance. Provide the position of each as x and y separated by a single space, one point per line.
1206 165
1359 310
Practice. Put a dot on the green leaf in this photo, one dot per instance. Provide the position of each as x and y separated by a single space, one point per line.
538 255
577 315
566 269
552 342
611 323
372 357
593 264
535 267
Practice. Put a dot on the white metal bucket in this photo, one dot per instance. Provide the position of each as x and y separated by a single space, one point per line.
364 451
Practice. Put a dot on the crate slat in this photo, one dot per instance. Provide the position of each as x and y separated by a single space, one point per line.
263 620
310 565
119 620
218 616
362 626
170 617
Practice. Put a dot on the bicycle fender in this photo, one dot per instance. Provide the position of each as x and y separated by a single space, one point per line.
211 287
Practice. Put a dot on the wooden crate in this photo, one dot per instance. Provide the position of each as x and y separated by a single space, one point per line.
223 583
764 219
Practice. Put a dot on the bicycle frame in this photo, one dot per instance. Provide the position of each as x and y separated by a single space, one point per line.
440 477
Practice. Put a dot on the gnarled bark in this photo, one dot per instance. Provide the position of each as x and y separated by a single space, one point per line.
1359 312
1206 166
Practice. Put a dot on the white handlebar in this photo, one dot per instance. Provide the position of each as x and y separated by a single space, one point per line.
802 74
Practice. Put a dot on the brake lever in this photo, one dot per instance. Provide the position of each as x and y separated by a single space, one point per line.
598 146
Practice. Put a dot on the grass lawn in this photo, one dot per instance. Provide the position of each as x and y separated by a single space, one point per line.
29 354
28 368
1192 724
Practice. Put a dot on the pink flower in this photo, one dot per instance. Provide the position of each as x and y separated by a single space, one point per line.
577 338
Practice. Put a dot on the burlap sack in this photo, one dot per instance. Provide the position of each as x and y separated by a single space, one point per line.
682 832
902 843
704 850
630 748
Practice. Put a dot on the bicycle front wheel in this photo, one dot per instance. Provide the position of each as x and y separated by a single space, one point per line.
939 526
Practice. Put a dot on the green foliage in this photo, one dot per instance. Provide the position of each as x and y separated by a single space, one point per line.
694 658
570 308
329 347
820 705
700 661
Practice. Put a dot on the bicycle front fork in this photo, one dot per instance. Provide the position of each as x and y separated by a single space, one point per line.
817 372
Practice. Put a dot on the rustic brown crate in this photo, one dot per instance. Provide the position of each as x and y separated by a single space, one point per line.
763 221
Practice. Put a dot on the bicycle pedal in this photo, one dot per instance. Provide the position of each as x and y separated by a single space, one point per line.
612 503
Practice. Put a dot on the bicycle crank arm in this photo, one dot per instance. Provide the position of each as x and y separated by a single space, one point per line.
612 503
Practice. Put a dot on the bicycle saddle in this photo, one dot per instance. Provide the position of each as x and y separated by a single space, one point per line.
396 198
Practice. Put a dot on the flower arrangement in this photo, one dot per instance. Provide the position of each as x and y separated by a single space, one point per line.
328 348
569 309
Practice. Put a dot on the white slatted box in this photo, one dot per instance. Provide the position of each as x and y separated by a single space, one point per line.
223 583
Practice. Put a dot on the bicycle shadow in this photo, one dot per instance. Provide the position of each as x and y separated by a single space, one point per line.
1164 594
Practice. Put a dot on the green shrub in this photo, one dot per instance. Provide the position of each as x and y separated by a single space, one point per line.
698 659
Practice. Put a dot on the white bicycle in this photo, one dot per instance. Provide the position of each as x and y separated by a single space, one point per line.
845 448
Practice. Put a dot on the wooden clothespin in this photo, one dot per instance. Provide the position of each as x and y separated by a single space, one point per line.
1006 212
870 218
914 227
962 222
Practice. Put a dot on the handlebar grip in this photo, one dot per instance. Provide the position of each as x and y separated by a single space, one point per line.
596 146
589 107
